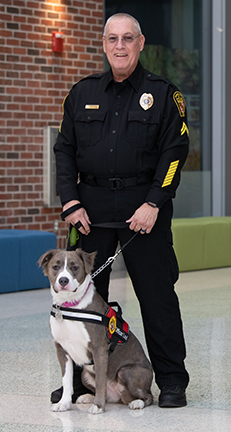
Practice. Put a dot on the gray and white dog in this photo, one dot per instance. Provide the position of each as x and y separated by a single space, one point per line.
125 375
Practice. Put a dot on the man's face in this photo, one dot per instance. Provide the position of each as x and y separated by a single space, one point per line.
122 56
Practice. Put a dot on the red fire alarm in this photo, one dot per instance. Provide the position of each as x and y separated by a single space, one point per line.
57 41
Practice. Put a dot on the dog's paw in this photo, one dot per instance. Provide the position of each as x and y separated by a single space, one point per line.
85 399
94 409
60 406
136 404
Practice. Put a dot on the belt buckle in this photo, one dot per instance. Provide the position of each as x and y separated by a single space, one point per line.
116 183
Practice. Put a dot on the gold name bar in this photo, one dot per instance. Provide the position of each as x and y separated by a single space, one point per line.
91 106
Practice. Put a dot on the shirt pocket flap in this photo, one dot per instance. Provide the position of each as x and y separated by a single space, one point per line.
89 116
144 117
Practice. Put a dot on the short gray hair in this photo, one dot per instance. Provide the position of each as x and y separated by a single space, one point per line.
123 15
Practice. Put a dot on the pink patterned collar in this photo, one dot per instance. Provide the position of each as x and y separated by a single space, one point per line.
76 302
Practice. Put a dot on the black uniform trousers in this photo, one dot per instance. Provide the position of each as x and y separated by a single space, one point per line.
151 264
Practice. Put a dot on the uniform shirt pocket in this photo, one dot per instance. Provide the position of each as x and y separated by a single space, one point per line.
89 127
142 128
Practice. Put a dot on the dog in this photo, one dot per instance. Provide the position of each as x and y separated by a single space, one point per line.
124 375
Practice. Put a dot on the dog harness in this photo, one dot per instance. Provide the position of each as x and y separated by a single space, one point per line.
117 329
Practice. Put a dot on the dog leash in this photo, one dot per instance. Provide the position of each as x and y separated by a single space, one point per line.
74 235
110 260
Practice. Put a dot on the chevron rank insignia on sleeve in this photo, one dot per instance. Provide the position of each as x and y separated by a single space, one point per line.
184 129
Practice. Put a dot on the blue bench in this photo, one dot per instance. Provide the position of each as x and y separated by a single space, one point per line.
19 254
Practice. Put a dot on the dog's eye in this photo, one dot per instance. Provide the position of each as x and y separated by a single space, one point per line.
74 268
55 267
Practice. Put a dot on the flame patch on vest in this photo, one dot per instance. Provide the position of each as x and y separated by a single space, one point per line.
117 329
112 325
170 174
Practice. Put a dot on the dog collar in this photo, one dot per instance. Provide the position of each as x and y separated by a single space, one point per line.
76 302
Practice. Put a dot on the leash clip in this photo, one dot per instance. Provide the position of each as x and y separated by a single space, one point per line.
115 256
111 259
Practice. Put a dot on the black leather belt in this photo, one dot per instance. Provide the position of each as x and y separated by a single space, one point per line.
115 183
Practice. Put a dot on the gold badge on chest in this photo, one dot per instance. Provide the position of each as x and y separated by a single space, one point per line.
146 101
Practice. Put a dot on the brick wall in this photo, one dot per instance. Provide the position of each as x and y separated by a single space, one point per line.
33 82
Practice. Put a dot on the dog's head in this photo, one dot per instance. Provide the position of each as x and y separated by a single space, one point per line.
66 270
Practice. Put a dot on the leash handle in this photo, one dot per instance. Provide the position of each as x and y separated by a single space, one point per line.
118 225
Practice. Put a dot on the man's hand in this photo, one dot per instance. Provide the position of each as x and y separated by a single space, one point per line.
78 216
144 219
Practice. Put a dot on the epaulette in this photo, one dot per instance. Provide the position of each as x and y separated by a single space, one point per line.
153 77
94 76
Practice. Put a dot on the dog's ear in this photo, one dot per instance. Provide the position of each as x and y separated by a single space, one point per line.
45 259
88 259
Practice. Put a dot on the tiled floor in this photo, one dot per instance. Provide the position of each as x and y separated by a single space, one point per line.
29 370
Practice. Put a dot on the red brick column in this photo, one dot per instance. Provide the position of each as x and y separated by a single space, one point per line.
33 82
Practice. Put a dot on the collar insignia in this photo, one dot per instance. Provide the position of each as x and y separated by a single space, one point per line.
146 101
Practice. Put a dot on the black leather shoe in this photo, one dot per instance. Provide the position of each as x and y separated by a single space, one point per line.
172 397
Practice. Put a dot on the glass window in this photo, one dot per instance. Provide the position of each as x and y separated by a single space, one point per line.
177 48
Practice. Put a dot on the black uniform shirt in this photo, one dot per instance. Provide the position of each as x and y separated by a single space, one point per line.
123 130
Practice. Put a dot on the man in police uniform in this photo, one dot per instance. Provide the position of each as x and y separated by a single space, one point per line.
124 135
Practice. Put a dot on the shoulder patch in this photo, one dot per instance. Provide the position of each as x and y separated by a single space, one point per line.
180 103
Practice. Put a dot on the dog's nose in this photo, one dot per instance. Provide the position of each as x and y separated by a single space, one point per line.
63 281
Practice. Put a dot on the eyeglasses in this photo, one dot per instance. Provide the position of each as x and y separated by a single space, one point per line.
125 39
